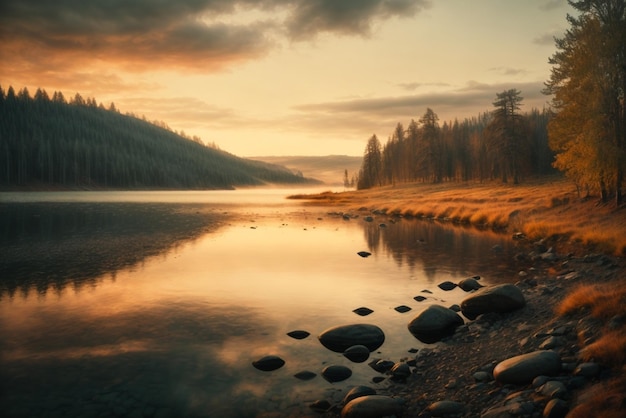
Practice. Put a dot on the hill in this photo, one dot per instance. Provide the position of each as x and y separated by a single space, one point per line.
50 143
330 169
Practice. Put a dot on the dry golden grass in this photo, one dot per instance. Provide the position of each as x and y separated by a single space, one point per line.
540 208
603 400
609 349
602 301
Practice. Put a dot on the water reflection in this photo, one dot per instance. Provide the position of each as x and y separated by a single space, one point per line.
159 309
49 246
434 248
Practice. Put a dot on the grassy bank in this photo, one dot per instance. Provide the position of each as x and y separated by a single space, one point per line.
540 208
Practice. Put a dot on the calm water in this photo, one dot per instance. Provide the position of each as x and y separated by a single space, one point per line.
155 304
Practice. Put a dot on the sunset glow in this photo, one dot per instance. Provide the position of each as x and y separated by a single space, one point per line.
283 77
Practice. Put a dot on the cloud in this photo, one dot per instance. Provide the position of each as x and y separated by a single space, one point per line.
351 17
379 115
202 35
508 70
415 85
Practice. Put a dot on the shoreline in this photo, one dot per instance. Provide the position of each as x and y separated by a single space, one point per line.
545 208
568 243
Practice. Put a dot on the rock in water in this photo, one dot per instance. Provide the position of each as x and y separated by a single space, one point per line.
402 308
342 337
524 368
434 323
298 334
469 284
362 311
364 254
500 298
336 373
447 285
357 353
372 406
357 392
305 375
269 363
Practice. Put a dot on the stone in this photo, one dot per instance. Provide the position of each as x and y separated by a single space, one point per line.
499 298
357 353
482 376
340 338
447 285
372 406
269 363
298 334
506 411
336 373
469 284
400 371
362 311
305 375
524 368
555 408
444 408
588 370
357 392
320 406
434 323
552 342
402 308
364 254
419 298
381 366
368 219
553 389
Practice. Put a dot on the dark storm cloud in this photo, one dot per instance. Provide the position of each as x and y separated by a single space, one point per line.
183 33
353 17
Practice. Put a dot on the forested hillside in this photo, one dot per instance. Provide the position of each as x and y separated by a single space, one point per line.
50 142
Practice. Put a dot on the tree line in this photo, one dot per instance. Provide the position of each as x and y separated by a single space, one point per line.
582 134
503 144
49 141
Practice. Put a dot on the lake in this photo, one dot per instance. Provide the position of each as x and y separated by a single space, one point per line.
155 304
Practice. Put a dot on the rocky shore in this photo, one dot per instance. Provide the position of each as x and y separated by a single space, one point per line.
527 362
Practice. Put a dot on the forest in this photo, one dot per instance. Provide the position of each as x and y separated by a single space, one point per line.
50 142
582 134
491 146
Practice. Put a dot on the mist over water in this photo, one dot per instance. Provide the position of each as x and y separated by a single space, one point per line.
157 303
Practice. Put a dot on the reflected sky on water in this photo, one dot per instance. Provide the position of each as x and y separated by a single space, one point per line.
159 308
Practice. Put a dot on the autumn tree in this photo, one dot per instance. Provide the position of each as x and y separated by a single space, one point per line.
588 83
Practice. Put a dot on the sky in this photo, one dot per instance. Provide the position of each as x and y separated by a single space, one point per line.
284 77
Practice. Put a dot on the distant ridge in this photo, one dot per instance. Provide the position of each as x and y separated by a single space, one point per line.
330 168
50 143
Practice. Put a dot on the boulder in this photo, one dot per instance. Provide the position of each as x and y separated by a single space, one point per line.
400 371
340 338
372 406
499 298
434 323
524 368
